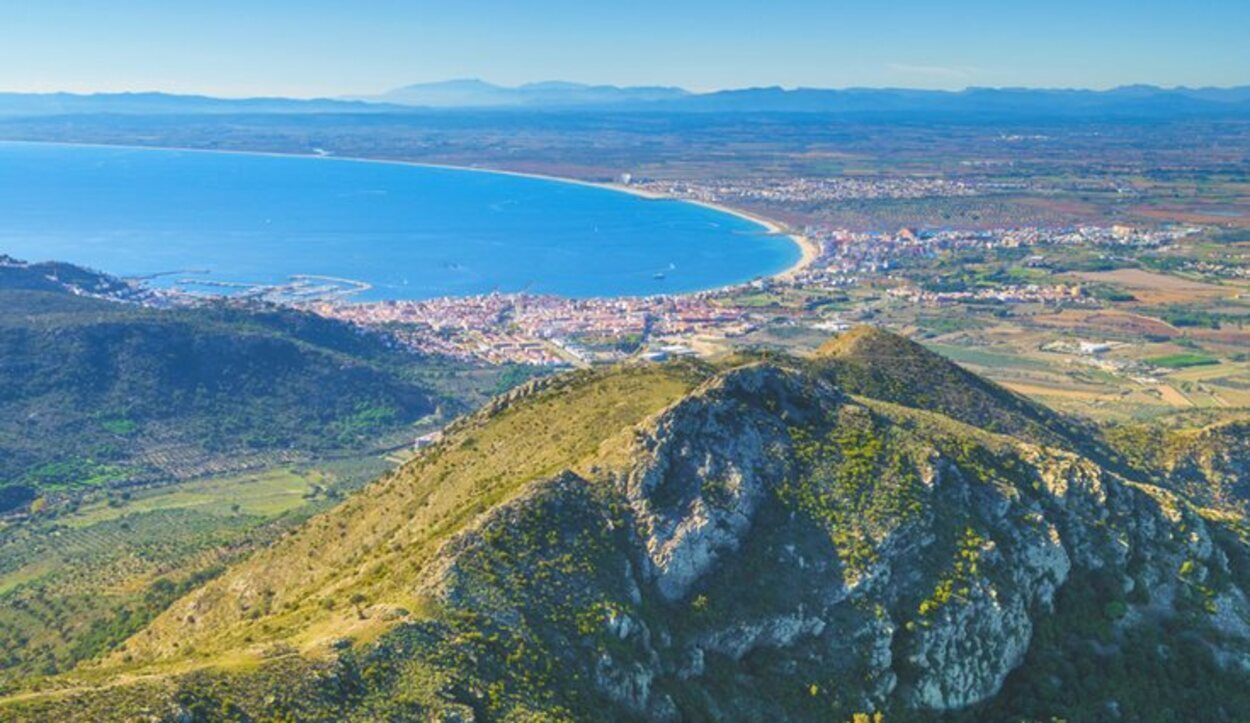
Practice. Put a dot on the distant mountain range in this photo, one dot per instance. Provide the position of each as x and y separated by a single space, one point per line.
1144 101
54 104
1137 100
474 93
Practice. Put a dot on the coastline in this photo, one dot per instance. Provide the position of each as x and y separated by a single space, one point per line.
809 250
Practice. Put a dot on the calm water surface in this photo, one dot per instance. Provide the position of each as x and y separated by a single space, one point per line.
411 232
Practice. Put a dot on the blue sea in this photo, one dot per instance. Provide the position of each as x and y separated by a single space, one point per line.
412 232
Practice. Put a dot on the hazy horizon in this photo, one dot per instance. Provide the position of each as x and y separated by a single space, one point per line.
323 49
154 90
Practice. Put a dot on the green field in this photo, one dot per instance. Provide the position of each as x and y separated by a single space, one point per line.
268 493
1182 361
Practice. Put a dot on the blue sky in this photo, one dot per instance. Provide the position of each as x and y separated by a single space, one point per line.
319 47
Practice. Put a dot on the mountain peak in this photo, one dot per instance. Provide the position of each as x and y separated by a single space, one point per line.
876 363
869 342
453 84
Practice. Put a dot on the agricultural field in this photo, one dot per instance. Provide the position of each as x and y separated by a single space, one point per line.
1148 339
1153 332
76 582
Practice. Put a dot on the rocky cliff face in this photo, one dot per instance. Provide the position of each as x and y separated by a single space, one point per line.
706 466
907 553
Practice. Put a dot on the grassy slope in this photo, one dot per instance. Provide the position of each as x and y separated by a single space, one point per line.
883 366
369 553
1206 462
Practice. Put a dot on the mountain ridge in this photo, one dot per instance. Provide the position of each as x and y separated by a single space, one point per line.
14 104
743 540
1139 101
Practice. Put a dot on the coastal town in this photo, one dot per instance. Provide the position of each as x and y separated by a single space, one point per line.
552 331
808 190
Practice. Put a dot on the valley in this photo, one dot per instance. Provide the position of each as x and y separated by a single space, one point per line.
146 448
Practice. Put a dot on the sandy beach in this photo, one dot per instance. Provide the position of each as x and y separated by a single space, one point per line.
809 250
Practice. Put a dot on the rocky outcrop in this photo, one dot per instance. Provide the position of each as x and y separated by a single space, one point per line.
706 464
962 651
779 631
967 653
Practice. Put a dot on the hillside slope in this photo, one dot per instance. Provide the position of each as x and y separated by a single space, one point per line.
874 363
142 449
743 542
1209 463
95 392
